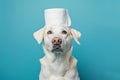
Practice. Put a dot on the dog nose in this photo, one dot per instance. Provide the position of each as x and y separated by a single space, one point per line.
56 41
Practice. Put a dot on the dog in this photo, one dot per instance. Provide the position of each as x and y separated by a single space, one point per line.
58 63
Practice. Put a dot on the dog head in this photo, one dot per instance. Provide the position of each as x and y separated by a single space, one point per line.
57 39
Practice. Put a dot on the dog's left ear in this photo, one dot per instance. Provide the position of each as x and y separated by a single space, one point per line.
38 35
76 35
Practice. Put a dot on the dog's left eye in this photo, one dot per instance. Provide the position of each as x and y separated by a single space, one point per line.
49 32
64 32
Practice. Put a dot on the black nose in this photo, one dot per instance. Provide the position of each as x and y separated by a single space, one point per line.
56 41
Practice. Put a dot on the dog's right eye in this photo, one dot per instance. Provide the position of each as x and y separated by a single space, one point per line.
64 32
49 32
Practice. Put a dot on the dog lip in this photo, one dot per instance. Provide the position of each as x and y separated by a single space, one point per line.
57 50
56 46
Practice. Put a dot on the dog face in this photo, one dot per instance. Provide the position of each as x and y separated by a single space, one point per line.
57 39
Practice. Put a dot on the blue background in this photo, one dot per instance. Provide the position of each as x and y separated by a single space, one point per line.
98 20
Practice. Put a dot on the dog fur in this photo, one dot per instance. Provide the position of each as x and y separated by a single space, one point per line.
58 65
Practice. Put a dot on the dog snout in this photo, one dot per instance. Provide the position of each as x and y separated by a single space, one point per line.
56 41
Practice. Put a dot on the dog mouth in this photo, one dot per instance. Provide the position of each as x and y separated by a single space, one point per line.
57 48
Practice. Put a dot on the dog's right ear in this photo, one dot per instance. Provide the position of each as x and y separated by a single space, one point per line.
38 35
76 35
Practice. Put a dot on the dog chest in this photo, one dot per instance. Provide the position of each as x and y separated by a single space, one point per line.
57 67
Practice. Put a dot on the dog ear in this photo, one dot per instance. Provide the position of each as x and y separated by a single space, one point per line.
76 35
38 35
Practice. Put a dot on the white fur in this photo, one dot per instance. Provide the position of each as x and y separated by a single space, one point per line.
58 66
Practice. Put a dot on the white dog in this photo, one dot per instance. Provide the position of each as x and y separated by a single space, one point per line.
58 64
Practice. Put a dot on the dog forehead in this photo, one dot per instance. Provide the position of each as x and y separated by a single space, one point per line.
57 28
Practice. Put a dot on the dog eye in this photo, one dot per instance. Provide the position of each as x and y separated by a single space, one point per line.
64 32
49 32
